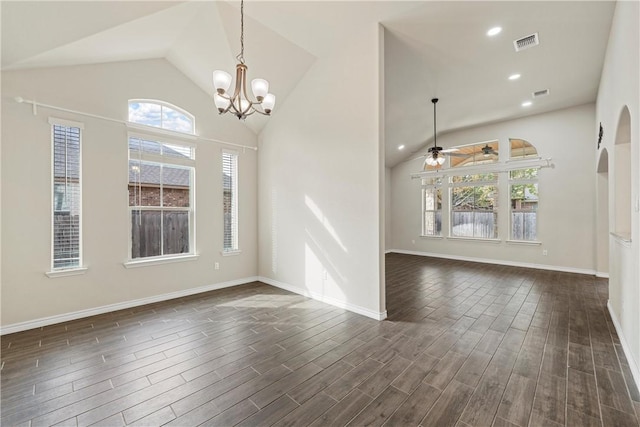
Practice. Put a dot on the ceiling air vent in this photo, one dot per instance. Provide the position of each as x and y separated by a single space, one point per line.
539 93
526 42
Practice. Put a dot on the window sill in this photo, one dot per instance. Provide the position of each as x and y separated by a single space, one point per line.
431 237
66 272
524 242
158 261
474 239
231 253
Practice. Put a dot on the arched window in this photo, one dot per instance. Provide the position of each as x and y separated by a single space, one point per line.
161 115
521 149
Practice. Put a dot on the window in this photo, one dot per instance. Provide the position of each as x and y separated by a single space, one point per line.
474 197
161 115
480 153
66 194
161 177
474 206
521 149
523 188
524 204
474 188
432 206
230 200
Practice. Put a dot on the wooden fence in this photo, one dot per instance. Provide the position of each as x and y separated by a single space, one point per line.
148 227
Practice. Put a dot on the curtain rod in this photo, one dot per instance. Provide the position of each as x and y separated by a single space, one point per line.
508 166
35 104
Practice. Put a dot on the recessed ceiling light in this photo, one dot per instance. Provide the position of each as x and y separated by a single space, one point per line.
400 147
514 76
494 31
527 103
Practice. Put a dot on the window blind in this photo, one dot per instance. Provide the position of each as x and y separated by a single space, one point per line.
66 209
230 200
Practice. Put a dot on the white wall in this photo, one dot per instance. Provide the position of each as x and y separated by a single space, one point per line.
27 294
319 181
602 215
619 87
387 205
566 215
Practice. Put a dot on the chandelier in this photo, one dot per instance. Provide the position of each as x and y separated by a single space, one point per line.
435 156
239 103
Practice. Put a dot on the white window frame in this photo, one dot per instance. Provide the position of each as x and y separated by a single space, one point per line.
522 181
503 185
162 104
235 220
438 187
495 184
149 158
76 269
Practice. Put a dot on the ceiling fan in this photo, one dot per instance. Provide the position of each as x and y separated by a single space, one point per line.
435 155
488 151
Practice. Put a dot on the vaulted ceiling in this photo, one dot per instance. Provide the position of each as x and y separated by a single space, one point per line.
432 49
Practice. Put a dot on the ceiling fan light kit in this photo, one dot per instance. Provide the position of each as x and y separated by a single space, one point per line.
239 103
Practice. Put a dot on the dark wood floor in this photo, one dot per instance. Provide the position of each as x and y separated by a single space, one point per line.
465 344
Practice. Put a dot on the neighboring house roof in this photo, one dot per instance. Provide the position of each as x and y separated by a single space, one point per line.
146 173
150 174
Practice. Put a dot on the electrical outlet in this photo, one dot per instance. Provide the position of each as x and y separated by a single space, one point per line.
216 266
544 252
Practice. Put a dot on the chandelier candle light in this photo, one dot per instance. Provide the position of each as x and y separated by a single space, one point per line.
239 103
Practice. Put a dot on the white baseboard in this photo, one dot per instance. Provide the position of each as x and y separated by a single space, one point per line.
323 298
45 321
388 251
633 365
602 275
499 262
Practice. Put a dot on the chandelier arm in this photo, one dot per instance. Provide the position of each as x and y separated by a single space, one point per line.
234 110
244 88
226 110
251 111
240 77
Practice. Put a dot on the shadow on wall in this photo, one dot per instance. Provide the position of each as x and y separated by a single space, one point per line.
321 272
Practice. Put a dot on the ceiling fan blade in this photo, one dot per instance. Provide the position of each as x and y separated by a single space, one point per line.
450 150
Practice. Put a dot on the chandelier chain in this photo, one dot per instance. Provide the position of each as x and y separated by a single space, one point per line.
240 57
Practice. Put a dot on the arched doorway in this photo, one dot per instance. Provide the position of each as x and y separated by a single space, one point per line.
624 292
622 177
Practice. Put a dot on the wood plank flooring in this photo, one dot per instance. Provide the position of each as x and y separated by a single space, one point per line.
465 344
